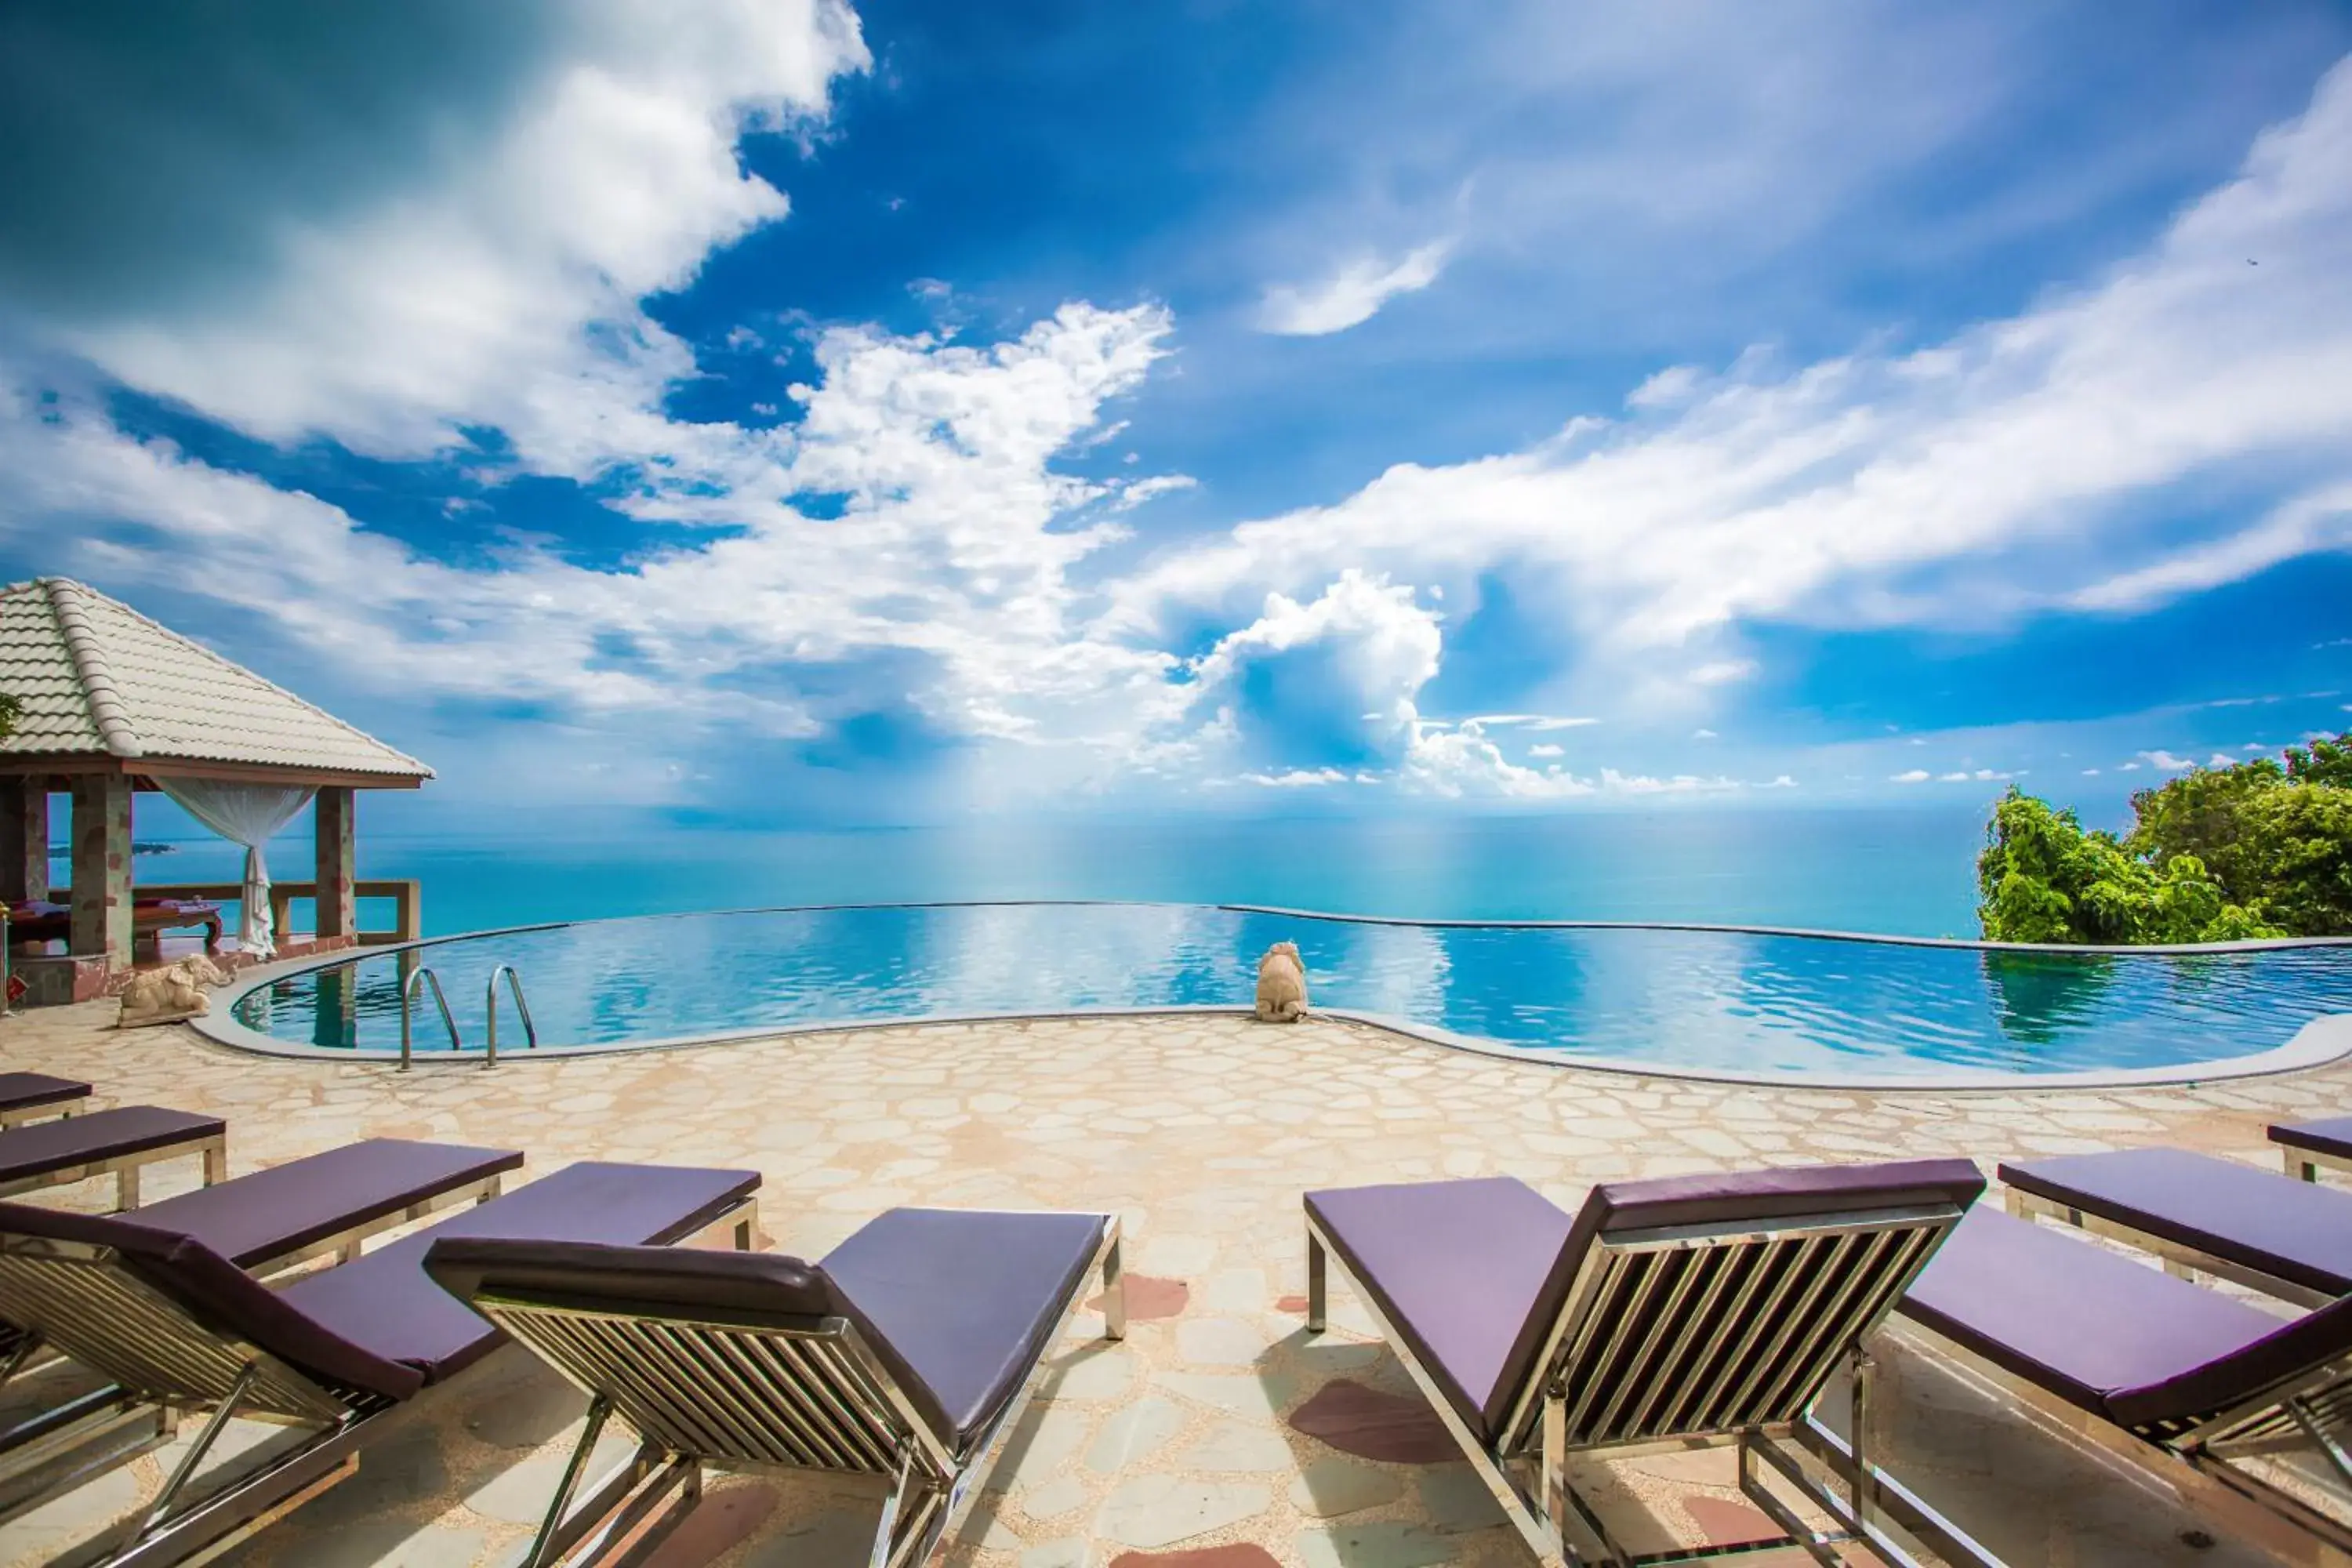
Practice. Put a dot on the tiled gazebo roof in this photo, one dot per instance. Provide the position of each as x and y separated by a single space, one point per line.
98 680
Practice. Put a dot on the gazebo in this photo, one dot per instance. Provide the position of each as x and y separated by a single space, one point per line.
111 704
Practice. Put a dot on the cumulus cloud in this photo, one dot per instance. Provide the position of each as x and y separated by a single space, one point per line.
1547 751
1352 295
1912 777
948 568
2165 761
2015 465
485 269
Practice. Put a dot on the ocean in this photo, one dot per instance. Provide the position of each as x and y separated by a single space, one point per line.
1904 871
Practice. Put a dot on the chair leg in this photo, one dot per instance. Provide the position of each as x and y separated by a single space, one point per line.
599 1410
1317 1287
1114 1283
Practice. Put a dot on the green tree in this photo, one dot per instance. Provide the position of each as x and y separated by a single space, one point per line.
10 711
2260 849
2041 877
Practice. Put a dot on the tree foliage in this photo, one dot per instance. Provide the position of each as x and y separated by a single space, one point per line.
10 711
2260 849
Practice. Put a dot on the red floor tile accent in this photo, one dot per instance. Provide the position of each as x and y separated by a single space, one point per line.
1354 1419
1242 1556
1728 1523
1147 1298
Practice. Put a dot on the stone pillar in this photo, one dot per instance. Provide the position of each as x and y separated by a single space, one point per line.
101 869
24 839
338 864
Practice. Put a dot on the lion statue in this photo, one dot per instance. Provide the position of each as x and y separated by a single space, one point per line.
167 995
1281 984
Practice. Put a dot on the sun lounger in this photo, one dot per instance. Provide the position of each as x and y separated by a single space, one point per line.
43 921
181 1328
272 1220
2308 1145
2199 1212
902 1357
121 1141
2170 1370
1677 1312
31 1096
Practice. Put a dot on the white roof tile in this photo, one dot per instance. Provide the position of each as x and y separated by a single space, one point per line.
94 676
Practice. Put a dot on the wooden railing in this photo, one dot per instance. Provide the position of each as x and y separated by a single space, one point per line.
407 917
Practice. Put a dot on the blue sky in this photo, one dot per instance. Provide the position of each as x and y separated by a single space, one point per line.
773 412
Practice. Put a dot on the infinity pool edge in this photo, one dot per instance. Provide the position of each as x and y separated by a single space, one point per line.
2322 1039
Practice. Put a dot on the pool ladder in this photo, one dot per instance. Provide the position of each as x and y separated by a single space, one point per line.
448 1020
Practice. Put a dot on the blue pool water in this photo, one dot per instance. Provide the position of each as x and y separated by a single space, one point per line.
1736 1001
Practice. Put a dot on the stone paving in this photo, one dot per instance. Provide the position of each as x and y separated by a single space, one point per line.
1218 1435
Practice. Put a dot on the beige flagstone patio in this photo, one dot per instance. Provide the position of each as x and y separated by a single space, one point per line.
1218 1435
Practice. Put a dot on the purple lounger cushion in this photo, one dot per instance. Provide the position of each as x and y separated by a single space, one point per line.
2331 1136
2260 1219
220 1296
1473 1272
387 1302
2106 1334
47 1147
285 1209
958 1304
25 1091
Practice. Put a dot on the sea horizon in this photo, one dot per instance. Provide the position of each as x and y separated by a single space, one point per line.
1893 870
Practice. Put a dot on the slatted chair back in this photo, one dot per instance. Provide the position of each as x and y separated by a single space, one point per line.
804 1393
81 1298
1698 1329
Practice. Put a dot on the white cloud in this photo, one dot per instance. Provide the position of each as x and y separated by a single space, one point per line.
1915 776
2128 768
2221 759
1722 672
1547 751
1531 721
1299 778
2010 467
2090 773
1702 734
470 300
953 553
1352 295
1951 778
2165 761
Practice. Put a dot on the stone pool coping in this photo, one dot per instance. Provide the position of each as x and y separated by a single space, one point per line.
2324 1039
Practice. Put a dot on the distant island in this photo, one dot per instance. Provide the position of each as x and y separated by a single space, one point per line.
138 846
2260 849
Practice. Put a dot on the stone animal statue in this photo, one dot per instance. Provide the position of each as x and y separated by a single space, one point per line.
168 994
1281 984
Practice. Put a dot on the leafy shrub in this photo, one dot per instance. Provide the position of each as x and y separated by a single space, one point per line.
2260 849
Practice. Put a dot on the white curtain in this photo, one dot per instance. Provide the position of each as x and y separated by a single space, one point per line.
249 815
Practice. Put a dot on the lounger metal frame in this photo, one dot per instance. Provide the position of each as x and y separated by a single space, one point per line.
164 1365
21 1353
58 1110
2304 1165
125 1168
753 1391
2200 1459
1690 1336
2180 1259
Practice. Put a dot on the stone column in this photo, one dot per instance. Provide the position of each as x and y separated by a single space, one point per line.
100 922
24 839
338 864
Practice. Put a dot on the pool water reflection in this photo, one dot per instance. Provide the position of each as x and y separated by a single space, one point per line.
1737 1001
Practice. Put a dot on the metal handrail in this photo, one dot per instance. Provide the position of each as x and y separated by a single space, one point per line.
408 995
490 1006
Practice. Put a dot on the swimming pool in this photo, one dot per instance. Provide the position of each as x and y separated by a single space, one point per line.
1728 1002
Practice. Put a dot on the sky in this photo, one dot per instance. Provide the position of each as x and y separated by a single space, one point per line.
765 411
